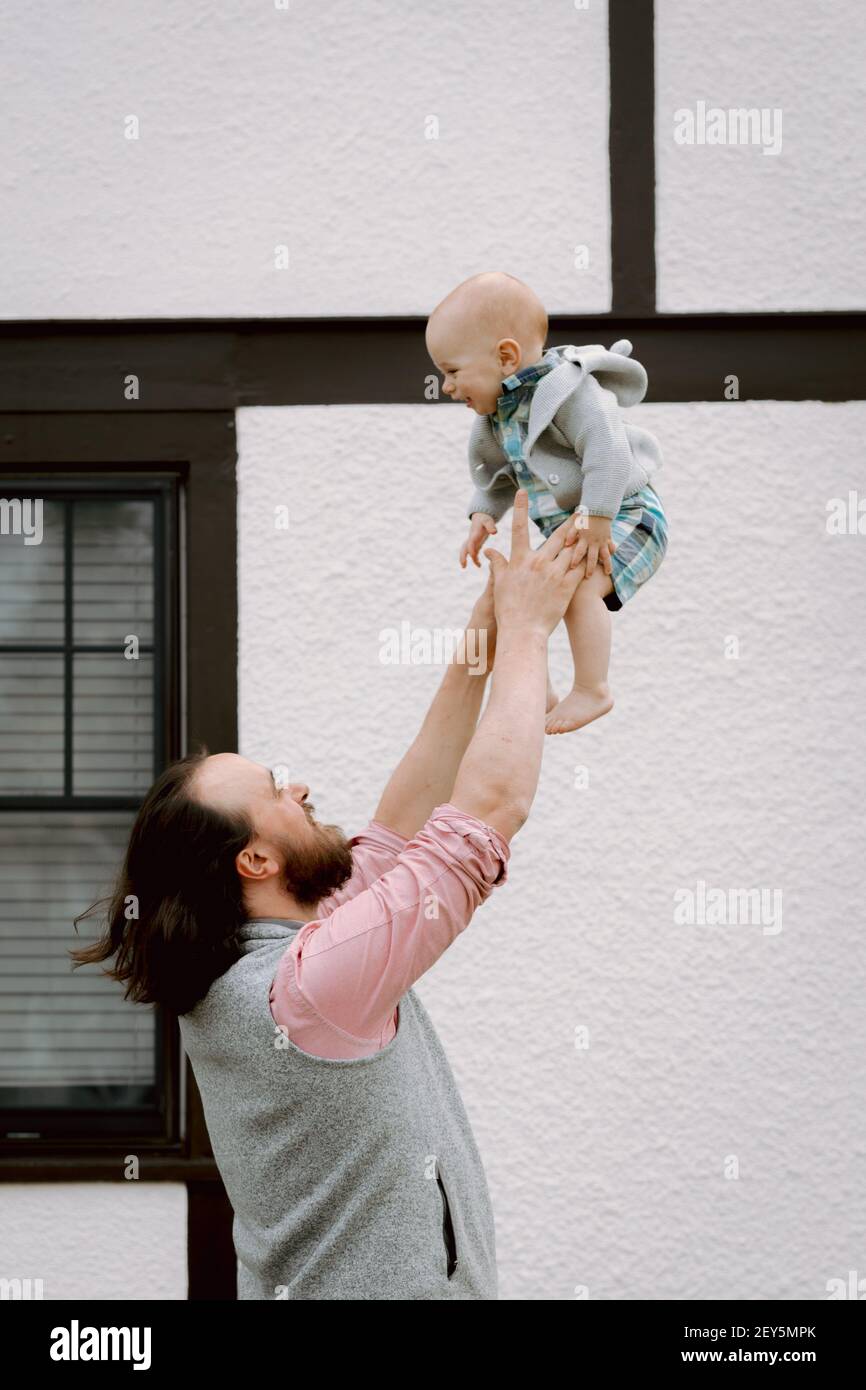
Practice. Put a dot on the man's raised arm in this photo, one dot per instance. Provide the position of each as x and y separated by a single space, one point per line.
498 774
338 985
425 775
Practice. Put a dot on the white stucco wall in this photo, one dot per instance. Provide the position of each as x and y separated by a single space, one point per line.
260 127
737 229
607 1165
96 1240
304 128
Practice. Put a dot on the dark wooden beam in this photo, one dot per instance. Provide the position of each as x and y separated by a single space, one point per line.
212 1260
185 367
631 32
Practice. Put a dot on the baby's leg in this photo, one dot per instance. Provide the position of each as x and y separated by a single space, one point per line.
587 620
552 697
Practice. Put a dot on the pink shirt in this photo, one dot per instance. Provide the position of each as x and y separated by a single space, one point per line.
338 985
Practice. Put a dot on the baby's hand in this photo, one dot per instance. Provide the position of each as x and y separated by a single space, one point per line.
480 528
593 541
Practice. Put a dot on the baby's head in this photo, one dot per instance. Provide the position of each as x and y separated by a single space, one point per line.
485 329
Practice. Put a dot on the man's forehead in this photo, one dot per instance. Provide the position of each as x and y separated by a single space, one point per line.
230 774
269 776
231 763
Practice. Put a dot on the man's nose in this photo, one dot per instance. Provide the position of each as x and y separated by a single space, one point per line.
300 791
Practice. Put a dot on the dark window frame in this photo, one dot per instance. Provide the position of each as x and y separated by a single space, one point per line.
129 1124
194 454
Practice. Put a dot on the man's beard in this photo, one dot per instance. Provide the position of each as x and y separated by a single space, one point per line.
311 872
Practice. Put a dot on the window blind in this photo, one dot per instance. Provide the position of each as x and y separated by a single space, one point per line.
79 678
61 1030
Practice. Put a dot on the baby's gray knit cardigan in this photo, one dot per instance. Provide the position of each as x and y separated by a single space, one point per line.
577 445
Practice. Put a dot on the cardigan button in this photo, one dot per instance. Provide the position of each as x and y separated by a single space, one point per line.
553 477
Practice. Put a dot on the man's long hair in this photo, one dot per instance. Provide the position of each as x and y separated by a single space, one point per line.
172 919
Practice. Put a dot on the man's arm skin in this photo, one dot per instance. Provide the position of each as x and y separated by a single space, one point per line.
498 775
425 775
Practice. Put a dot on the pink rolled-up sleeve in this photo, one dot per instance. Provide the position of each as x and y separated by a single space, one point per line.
338 985
374 850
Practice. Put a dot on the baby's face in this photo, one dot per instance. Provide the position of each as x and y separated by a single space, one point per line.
470 373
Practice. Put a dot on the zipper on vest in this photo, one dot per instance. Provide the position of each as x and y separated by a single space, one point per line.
448 1229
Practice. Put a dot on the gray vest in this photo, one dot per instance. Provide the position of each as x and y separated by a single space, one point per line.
353 1179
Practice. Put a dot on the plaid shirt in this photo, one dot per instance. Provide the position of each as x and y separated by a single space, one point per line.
510 424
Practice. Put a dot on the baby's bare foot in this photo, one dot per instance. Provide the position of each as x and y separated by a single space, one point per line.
581 706
552 698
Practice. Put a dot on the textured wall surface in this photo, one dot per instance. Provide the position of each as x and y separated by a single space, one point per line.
95 1240
303 128
737 229
708 1044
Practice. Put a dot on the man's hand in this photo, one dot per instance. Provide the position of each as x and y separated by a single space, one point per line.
593 541
533 588
481 526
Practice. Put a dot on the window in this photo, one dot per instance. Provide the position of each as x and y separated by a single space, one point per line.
88 717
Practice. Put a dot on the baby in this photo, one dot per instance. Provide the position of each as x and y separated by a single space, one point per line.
549 422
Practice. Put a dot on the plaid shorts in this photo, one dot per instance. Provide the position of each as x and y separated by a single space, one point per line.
640 530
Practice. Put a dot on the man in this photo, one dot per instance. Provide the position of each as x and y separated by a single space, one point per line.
290 952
